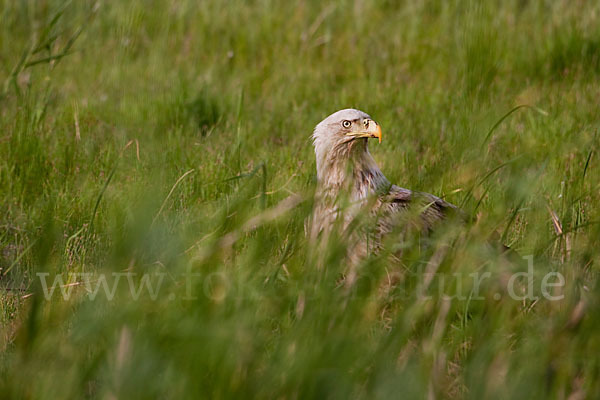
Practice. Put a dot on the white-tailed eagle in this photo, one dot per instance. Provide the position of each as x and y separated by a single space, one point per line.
346 170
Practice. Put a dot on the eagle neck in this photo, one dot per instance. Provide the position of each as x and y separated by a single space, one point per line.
350 165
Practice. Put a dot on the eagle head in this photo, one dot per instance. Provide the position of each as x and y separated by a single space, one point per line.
341 137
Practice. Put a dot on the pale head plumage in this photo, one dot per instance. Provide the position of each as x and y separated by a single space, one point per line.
340 142
329 134
330 130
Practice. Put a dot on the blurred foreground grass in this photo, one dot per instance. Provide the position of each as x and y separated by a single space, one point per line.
171 138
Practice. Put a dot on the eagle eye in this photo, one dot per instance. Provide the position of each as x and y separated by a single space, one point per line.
346 124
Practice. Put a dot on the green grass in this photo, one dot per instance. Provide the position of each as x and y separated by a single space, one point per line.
159 136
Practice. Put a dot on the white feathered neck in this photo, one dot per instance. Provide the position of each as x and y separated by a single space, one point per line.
347 163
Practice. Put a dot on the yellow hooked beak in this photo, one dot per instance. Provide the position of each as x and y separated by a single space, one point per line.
372 130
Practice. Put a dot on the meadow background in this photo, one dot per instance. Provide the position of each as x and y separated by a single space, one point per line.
172 137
